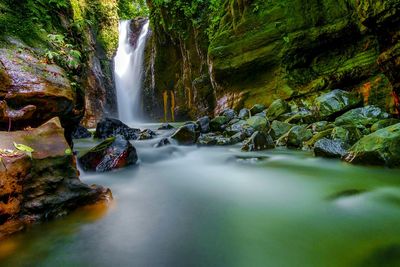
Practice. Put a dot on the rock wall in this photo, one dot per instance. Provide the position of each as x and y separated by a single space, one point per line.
258 51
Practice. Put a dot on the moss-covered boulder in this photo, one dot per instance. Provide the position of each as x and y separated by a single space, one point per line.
365 116
379 148
328 148
113 153
383 124
335 102
218 123
258 123
258 141
186 135
279 128
39 178
297 135
349 134
257 108
277 108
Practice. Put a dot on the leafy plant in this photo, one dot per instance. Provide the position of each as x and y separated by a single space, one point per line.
24 148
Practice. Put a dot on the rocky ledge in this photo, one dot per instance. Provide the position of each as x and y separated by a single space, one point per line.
39 179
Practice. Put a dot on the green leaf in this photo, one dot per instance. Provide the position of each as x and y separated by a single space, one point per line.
68 152
24 148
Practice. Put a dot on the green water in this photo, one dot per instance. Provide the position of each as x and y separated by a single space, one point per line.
188 206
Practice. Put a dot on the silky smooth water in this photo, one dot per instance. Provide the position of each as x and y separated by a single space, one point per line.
189 206
128 69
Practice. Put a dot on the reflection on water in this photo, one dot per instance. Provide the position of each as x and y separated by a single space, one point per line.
188 206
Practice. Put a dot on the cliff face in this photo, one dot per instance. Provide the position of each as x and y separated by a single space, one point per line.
258 51
72 41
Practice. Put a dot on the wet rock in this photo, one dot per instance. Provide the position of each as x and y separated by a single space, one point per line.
320 126
43 184
335 102
163 142
81 132
111 127
35 90
10 117
383 124
330 148
166 126
212 139
146 134
204 124
277 108
113 153
297 135
244 114
186 135
218 123
258 123
379 148
303 115
257 108
230 114
349 134
279 128
236 127
365 116
258 141
238 137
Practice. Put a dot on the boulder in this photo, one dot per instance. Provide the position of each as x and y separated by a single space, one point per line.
335 102
111 127
113 153
212 139
244 114
230 114
258 141
204 124
34 90
365 116
80 132
328 148
166 126
218 123
379 148
257 108
383 124
279 128
297 135
186 135
146 134
349 134
236 127
277 108
303 115
237 138
258 123
39 178
320 126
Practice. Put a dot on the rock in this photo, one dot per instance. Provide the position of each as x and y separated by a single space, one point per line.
230 114
297 135
146 135
258 123
204 124
12 118
259 141
212 139
303 115
330 148
113 153
383 124
277 108
166 126
279 128
111 127
36 91
257 108
335 102
186 135
349 134
163 142
80 132
217 124
320 126
379 148
365 116
237 138
43 184
236 128
244 114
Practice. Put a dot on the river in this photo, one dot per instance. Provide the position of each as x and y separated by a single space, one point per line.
218 206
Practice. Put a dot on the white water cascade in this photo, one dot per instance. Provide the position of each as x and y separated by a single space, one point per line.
129 72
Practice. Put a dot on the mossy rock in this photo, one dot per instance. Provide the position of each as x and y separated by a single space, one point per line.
335 102
347 133
365 116
258 123
298 135
383 124
379 148
279 128
218 123
277 108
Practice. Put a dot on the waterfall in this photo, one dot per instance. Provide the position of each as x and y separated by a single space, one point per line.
129 72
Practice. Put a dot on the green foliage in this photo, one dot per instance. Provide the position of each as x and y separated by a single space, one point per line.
65 54
128 9
25 149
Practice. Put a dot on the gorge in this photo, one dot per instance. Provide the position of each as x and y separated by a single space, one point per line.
199 133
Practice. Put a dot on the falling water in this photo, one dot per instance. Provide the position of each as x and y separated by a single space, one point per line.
129 72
